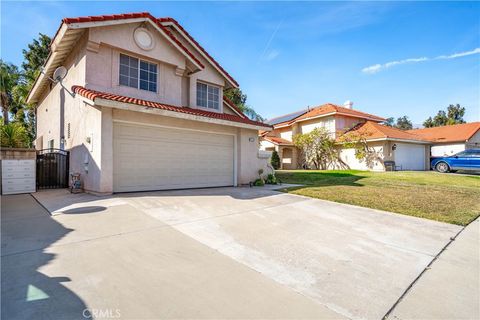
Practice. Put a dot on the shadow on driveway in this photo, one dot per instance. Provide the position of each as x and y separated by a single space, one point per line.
27 293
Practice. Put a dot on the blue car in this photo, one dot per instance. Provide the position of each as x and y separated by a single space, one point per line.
465 160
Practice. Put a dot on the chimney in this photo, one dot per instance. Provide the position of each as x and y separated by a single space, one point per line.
348 104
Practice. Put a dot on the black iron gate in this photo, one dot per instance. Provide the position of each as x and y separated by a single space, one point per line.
52 168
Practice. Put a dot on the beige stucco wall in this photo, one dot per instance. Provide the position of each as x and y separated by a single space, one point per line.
347 155
343 123
174 85
88 130
326 122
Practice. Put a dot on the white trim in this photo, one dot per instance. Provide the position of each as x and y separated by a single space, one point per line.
174 114
91 24
201 52
82 25
138 73
233 109
220 103
393 139
234 135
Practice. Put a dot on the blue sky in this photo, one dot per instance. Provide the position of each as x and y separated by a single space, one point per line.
389 58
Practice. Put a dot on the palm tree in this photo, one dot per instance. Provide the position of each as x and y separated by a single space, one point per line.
9 77
13 135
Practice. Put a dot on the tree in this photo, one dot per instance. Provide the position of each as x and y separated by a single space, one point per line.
389 122
404 123
358 140
453 115
14 135
9 78
239 99
35 56
318 148
275 160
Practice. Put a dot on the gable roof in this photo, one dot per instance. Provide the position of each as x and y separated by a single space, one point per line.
321 111
71 29
167 21
93 95
453 133
374 131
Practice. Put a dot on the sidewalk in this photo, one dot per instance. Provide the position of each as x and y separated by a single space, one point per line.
450 288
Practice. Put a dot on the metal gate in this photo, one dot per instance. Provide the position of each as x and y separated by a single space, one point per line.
52 168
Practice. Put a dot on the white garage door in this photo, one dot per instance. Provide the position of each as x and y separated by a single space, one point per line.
410 156
157 158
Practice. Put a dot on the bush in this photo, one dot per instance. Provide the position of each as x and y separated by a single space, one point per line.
259 183
271 179
275 160
13 135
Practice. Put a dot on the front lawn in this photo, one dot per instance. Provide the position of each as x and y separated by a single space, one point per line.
442 197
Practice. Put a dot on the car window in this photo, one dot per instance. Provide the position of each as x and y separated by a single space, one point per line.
462 154
474 153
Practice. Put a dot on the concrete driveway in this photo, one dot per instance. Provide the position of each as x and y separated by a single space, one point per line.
210 253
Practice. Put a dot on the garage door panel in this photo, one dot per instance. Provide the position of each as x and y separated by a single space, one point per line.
151 158
410 156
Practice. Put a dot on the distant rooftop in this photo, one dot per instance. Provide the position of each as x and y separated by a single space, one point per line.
286 117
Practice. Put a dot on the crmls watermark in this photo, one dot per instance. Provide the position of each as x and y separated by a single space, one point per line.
101 313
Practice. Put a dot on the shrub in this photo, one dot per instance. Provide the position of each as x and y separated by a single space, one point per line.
271 179
259 183
275 160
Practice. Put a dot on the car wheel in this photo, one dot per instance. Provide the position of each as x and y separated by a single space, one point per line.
441 167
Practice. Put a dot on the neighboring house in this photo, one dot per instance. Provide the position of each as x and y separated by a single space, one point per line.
409 151
448 140
146 109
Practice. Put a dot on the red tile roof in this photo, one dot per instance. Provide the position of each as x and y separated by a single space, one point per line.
332 108
92 95
234 106
453 133
277 140
168 19
326 109
372 130
134 16
159 22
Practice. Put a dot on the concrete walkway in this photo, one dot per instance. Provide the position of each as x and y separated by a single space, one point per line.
450 289
117 262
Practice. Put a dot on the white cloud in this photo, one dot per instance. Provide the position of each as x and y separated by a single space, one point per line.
380 67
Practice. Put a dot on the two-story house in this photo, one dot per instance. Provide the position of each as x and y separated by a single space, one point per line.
408 150
142 108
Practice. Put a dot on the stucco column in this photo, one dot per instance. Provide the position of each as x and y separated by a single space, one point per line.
106 158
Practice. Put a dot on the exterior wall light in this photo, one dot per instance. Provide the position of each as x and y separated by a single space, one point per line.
394 147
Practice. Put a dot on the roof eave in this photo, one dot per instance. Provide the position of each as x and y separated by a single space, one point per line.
180 30
101 102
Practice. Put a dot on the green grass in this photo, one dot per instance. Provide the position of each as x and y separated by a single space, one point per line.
442 197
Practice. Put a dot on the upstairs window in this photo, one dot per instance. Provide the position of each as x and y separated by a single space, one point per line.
138 73
208 96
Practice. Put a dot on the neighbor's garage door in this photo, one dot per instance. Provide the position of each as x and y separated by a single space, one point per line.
156 158
410 156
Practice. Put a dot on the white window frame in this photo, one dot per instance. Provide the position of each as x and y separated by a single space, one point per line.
209 86
138 73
